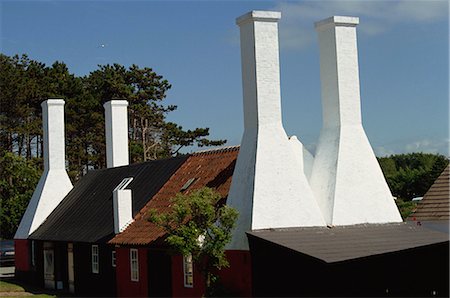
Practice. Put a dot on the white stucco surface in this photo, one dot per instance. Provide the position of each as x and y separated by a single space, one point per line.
303 156
54 183
123 209
269 187
116 129
346 177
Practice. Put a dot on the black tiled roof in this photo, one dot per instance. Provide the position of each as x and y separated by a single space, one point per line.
86 213
342 243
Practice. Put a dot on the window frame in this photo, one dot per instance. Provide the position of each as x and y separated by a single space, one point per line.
95 259
188 271
33 253
134 264
113 258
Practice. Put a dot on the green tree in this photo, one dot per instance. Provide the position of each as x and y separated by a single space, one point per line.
23 88
151 137
411 175
199 226
25 83
18 177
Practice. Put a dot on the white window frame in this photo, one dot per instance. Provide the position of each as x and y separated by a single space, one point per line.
95 258
113 258
134 264
188 271
33 251
124 183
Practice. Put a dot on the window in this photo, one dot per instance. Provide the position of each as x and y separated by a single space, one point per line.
124 183
188 271
94 258
48 265
113 258
33 259
134 264
187 184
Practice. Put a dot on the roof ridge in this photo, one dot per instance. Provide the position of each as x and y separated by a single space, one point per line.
216 150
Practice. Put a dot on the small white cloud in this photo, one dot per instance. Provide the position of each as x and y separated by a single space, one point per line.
376 17
383 151
429 146
420 11
425 145
295 37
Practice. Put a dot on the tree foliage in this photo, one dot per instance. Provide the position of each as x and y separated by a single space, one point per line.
25 84
199 226
411 175
18 177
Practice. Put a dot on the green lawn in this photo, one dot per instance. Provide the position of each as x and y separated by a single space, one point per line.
10 287
16 290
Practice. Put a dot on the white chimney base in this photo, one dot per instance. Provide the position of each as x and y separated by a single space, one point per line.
54 184
123 209
346 177
304 157
269 187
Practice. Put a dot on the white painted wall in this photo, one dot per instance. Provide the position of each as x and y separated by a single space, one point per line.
116 129
303 156
346 177
54 183
269 187
123 211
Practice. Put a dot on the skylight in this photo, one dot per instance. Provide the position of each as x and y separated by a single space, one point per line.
124 183
187 184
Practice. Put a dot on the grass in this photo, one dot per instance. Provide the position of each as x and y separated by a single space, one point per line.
14 289
10 287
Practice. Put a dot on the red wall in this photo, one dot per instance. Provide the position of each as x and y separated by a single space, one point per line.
237 279
22 255
178 288
125 286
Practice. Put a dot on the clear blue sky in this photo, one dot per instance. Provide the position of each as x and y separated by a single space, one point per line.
403 59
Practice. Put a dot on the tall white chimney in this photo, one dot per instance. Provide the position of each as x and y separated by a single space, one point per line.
54 184
346 177
269 187
116 129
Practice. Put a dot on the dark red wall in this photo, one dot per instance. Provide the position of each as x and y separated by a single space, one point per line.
237 279
88 284
22 255
125 286
178 288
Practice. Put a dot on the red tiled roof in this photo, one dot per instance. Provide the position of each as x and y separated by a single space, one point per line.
212 168
435 203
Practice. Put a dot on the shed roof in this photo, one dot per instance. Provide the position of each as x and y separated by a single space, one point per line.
435 204
342 243
212 168
86 213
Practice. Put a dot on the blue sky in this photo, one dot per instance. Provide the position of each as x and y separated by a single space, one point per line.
403 59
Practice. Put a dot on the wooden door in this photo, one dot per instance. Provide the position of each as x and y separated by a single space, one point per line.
71 272
49 268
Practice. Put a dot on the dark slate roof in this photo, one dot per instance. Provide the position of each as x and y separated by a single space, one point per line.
342 243
435 204
86 213
211 168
